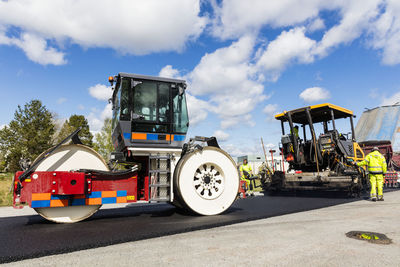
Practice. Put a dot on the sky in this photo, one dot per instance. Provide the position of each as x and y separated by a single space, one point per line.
244 61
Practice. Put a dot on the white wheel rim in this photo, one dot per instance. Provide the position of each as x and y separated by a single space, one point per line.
186 185
209 181
67 158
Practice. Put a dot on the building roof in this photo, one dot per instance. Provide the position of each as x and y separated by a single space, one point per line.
380 123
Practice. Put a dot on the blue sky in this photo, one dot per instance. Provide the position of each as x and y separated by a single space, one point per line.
244 60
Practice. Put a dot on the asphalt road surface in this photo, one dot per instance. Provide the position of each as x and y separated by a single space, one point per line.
24 237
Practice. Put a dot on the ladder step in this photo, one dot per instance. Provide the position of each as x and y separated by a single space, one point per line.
159 185
159 157
159 199
160 171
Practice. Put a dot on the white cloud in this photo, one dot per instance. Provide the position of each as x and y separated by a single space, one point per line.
61 100
394 99
237 17
221 135
133 27
289 47
169 72
96 118
377 19
356 18
316 24
100 91
230 81
270 110
386 33
35 48
198 109
314 94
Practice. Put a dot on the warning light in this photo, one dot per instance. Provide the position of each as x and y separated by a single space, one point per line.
111 80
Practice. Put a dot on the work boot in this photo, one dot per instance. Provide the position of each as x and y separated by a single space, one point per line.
380 199
373 199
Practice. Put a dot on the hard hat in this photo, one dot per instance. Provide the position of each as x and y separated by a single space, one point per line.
375 148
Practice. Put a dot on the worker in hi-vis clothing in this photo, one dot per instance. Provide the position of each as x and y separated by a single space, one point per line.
245 173
296 131
377 168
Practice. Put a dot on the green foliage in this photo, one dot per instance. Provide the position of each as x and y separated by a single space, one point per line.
103 143
73 123
28 135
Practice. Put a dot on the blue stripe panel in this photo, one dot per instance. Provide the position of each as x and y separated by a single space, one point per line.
54 197
96 194
127 135
152 136
108 200
40 203
179 137
121 193
77 202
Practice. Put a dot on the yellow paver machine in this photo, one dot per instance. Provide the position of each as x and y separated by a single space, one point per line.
319 156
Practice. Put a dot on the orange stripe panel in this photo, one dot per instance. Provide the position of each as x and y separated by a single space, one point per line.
93 201
59 203
108 193
121 200
172 137
140 136
168 137
41 196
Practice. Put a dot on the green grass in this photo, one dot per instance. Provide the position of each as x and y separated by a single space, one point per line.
258 183
5 184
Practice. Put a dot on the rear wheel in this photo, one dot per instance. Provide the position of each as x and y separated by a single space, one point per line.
67 158
206 181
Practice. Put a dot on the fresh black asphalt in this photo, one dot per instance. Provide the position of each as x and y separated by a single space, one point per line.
24 237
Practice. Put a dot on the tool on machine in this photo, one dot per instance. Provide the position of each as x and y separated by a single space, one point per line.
150 163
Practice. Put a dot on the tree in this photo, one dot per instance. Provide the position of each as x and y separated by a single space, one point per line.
103 143
73 123
28 134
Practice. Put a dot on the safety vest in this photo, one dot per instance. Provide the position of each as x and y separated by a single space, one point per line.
376 163
246 168
296 132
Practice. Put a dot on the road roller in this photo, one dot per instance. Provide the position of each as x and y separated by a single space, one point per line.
153 160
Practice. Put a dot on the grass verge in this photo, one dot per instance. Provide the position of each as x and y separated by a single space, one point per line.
5 184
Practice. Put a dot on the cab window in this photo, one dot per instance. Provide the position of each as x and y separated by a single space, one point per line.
180 114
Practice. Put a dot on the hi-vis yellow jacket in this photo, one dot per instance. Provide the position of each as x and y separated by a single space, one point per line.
246 168
376 163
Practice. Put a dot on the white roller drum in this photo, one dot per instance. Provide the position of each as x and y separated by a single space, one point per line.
206 181
67 158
